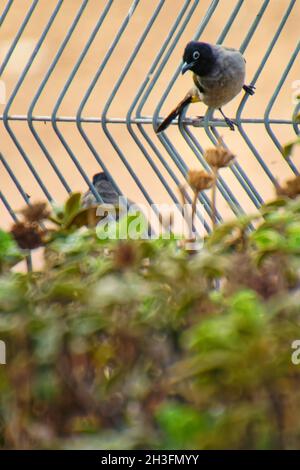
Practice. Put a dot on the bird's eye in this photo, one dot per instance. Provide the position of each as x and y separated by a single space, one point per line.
196 55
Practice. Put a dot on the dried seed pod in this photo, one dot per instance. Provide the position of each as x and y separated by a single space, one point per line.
200 180
36 212
291 188
27 235
218 157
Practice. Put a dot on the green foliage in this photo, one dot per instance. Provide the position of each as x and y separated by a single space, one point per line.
289 147
141 344
9 252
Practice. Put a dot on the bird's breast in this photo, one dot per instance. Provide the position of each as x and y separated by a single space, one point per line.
224 83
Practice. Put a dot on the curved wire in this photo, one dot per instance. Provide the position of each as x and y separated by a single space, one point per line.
94 81
15 92
40 91
273 99
136 100
112 95
254 80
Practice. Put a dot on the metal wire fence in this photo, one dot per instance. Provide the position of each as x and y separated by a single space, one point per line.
133 49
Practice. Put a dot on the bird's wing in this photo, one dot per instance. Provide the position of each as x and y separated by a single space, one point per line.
230 65
106 191
232 49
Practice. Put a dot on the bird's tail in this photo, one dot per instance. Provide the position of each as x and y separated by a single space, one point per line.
176 112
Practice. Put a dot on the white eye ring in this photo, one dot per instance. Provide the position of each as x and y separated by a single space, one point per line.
196 55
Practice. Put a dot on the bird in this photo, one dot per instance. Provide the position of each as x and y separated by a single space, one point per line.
218 75
109 195
105 189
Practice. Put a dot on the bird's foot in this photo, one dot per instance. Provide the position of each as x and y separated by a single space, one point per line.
250 89
230 123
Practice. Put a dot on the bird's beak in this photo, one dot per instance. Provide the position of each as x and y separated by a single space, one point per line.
185 67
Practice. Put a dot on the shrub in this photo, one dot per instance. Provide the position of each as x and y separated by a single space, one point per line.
141 344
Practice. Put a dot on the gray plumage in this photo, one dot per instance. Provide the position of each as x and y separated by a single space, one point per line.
105 189
225 80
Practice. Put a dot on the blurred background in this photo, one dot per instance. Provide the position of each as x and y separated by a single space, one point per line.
126 93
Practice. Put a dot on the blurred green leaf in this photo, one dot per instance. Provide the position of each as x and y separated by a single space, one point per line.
288 148
9 251
72 206
268 240
183 426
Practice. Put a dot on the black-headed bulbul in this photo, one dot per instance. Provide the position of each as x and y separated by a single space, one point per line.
218 75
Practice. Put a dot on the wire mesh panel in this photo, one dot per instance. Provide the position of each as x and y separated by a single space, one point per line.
85 83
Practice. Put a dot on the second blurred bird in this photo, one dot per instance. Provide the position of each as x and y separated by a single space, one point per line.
106 190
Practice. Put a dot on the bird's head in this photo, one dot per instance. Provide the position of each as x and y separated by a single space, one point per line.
199 58
99 177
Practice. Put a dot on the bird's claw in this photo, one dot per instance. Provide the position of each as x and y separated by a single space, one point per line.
230 124
250 89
